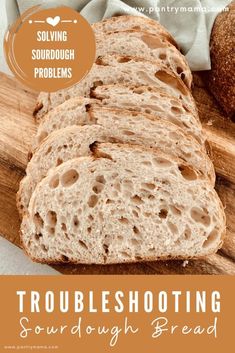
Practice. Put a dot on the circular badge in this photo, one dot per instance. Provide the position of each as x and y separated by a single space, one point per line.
50 49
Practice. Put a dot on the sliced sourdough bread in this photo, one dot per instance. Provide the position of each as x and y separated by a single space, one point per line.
123 204
141 23
119 125
147 46
113 69
145 99
74 111
148 99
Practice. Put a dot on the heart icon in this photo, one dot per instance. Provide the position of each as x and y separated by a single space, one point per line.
53 21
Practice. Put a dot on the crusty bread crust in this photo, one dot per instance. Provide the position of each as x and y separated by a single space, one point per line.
221 77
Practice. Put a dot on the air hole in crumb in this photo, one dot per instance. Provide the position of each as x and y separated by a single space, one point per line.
54 182
82 244
162 162
101 179
89 230
75 221
92 201
90 217
187 172
134 242
162 56
138 90
149 186
175 210
59 162
176 110
128 132
187 233
138 258
179 70
38 220
200 216
147 214
163 213
124 59
97 83
51 230
101 217
38 236
48 151
137 200
136 230
147 163
117 187
64 258
125 254
172 227
171 80
212 237
108 201
106 248
97 188
135 214
69 178
44 247
120 238
51 218
123 220
63 227
153 42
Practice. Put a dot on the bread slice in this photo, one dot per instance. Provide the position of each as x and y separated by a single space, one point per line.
145 99
74 111
148 99
147 46
123 204
113 69
119 125
128 22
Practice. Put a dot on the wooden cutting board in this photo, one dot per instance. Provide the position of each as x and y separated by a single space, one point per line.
17 127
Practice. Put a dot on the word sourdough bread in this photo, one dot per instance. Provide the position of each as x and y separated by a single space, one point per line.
119 170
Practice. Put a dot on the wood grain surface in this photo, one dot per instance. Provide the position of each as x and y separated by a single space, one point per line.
17 128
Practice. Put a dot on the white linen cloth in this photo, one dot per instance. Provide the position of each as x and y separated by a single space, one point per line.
190 26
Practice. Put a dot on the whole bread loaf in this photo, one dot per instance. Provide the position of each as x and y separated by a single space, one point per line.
147 46
112 69
221 78
123 204
141 23
111 125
